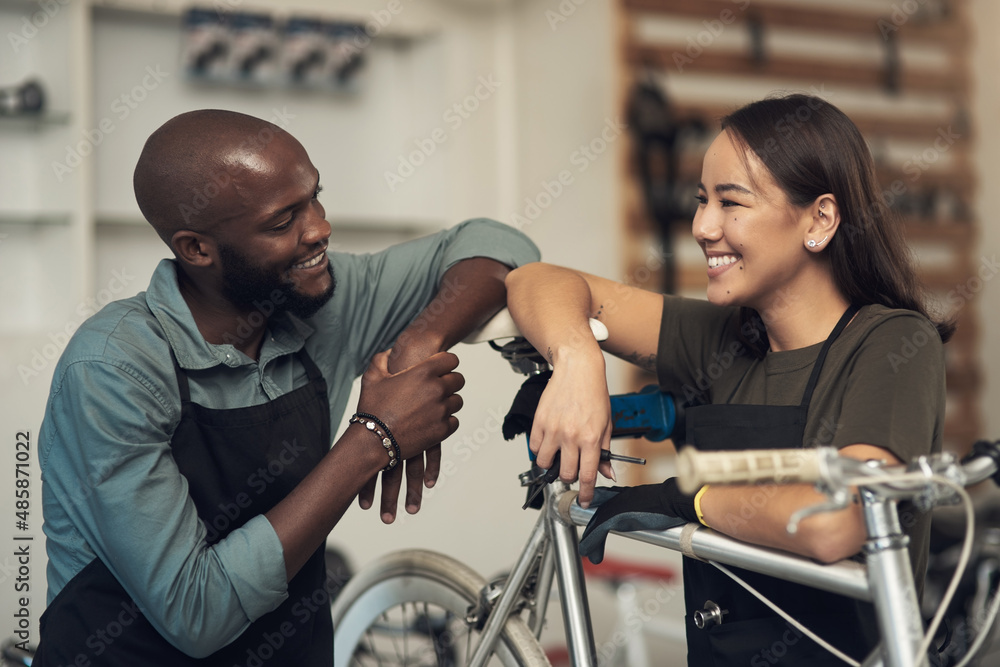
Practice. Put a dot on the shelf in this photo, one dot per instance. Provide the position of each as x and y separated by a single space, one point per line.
34 219
871 124
173 12
729 63
957 232
119 221
349 224
49 118
946 32
945 231
396 225
959 179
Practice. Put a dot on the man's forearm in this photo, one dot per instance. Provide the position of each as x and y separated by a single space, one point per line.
470 293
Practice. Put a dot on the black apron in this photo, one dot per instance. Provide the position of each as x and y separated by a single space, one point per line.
239 463
750 633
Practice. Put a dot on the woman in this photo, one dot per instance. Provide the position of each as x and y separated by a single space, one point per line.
811 304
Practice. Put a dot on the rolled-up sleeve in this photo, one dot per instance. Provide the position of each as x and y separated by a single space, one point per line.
379 294
482 237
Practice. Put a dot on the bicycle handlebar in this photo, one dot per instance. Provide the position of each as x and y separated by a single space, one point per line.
822 465
696 468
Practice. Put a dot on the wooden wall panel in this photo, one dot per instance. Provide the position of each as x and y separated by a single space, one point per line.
910 99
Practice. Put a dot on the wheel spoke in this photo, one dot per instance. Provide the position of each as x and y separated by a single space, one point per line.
468 645
416 634
409 609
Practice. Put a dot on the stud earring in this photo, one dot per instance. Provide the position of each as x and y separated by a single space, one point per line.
813 243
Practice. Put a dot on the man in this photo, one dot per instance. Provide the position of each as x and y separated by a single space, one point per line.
188 479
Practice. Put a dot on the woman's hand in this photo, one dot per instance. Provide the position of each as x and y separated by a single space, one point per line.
550 305
574 418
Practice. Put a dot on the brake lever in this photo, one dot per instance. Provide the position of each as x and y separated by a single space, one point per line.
838 500
552 474
544 480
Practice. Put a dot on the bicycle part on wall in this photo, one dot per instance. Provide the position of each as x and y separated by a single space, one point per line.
27 98
659 134
255 49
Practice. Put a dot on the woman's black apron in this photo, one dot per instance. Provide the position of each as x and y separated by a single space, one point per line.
750 634
222 454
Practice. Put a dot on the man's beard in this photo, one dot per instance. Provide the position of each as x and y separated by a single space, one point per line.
251 287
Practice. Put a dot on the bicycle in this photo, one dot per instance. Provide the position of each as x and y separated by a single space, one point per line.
415 605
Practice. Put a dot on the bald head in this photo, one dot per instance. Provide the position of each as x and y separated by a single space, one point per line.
192 161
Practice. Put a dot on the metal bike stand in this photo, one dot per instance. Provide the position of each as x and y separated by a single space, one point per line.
888 560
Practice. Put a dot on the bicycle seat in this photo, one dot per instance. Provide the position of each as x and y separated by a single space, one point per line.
502 325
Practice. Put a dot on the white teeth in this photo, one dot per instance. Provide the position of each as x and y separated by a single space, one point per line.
722 260
313 262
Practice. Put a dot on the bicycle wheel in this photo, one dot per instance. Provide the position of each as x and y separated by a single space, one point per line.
409 608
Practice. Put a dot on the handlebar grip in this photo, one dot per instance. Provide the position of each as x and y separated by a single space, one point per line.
696 468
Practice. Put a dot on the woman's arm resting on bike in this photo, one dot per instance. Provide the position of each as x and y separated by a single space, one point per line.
551 306
759 514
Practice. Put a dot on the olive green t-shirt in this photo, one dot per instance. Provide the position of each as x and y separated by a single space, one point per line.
883 382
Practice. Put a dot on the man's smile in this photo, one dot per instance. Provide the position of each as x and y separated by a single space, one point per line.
310 263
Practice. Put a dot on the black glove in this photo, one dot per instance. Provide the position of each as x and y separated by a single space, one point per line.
626 508
522 410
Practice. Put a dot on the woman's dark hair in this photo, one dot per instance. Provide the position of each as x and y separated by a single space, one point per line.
811 148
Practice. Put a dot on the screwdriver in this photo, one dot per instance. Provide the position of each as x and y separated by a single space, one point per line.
553 472
606 455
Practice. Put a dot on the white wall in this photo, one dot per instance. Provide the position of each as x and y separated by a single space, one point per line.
522 134
986 112
561 94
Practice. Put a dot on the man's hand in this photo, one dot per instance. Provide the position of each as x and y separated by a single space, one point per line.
470 293
422 469
418 406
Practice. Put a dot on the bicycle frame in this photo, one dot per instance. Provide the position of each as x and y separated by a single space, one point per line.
551 553
887 581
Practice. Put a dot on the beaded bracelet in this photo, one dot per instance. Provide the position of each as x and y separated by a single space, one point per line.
374 424
388 434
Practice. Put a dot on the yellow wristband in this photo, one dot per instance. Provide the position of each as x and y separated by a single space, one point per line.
697 505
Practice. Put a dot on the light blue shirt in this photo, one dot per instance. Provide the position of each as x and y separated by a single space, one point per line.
110 487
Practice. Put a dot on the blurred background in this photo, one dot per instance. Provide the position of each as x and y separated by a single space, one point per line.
581 122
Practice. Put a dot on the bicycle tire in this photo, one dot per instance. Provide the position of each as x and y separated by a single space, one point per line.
401 599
